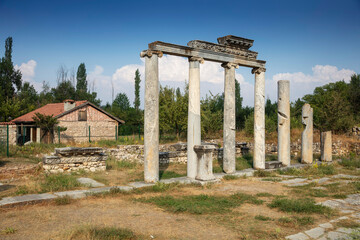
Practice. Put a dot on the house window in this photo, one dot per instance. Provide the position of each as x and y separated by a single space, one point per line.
82 115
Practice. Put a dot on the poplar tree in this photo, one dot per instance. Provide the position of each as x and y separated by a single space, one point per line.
9 77
137 90
81 82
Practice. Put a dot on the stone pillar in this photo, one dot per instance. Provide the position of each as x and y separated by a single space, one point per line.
259 118
31 134
284 122
38 136
151 116
229 163
204 165
194 119
326 146
307 134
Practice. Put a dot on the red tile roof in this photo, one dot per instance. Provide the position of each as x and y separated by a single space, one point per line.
49 109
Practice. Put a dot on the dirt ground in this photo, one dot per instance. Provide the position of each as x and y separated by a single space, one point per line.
49 221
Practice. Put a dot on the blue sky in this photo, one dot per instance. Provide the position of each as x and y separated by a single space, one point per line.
309 43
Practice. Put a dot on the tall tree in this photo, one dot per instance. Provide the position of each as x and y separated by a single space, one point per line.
137 90
354 93
9 77
81 82
240 117
121 102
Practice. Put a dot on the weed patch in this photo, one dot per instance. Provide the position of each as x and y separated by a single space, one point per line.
230 177
305 205
63 200
244 162
295 221
262 218
102 233
58 182
272 179
262 173
8 230
201 204
169 174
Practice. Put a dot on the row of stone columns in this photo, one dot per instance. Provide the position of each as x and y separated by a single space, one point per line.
151 117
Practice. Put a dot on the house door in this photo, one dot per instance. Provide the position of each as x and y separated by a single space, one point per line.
33 134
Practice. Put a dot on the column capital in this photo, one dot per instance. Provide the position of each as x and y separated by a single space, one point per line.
149 53
230 65
199 59
258 70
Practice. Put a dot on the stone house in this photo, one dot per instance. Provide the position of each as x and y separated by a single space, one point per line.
83 121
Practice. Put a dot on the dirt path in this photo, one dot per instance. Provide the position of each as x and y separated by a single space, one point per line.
44 222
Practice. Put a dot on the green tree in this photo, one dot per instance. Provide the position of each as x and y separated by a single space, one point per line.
81 82
47 123
65 90
354 94
121 102
240 117
9 77
137 90
332 108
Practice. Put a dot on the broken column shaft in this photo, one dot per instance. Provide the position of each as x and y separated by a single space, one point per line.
284 122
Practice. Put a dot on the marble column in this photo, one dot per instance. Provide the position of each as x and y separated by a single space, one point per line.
259 118
284 122
307 134
151 116
326 146
194 119
229 163
204 158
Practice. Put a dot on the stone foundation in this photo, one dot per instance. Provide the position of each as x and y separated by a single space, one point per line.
72 159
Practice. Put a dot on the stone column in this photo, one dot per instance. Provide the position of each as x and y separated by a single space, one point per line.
284 122
194 119
151 116
229 164
326 146
38 136
307 134
204 158
259 118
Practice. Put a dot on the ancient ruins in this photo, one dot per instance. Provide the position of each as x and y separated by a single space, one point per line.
230 52
326 146
284 122
307 135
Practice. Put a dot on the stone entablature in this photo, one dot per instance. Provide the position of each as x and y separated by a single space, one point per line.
72 159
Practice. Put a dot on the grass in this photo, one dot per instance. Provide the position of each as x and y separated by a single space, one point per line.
350 162
264 194
201 204
230 177
263 218
262 173
112 164
272 179
295 221
348 223
58 182
65 200
244 162
8 230
169 174
102 233
316 170
305 205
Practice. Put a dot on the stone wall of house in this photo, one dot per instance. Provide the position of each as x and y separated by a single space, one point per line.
72 159
101 127
12 134
168 153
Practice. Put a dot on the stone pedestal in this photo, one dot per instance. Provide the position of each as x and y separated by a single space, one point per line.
151 116
326 146
284 122
307 134
229 163
259 119
204 162
194 119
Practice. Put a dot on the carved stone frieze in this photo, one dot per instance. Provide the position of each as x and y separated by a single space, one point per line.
230 65
222 49
258 70
199 59
236 42
149 53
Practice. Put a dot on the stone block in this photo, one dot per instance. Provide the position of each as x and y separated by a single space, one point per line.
315 232
204 162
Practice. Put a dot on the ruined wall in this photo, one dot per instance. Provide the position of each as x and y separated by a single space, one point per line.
3 134
174 153
75 159
101 126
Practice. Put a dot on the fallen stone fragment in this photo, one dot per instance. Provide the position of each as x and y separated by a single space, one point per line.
298 236
90 182
326 225
26 198
315 232
337 236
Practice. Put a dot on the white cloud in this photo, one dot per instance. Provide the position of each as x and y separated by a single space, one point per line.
302 84
28 73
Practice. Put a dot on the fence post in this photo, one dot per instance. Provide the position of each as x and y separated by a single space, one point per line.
7 140
89 135
139 133
59 133
23 135
116 132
